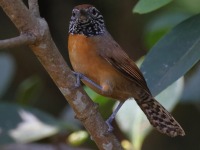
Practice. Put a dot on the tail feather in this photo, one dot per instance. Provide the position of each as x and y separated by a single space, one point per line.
160 118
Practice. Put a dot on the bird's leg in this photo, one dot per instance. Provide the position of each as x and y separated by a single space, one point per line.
78 82
111 118
80 76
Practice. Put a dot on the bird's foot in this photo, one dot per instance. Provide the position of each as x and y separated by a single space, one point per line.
110 127
112 117
80 76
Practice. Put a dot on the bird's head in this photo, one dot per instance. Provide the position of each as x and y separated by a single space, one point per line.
86 20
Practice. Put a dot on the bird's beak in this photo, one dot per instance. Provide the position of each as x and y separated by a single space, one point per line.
83 15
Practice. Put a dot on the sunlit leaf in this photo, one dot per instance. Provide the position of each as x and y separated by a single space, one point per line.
23 124
77 138
146 6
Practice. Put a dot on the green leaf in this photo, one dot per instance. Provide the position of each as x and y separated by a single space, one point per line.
28 90
160 25
146 6
104 102
191 6
134 123
24 124
77 138
7 68
191 92
173 55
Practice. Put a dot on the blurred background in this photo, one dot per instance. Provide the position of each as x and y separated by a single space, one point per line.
27 91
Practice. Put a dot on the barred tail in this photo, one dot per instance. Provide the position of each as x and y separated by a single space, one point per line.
160 118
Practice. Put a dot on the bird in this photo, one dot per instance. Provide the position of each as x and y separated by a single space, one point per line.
101 64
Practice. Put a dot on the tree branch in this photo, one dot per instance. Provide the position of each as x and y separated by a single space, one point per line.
23 39
34 8
49 56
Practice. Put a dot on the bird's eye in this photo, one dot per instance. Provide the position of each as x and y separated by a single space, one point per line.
94 12
73 14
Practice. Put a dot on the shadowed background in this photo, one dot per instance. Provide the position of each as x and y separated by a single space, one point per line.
30 85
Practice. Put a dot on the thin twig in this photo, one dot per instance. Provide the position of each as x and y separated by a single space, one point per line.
49 56
34 8
19 15
23 39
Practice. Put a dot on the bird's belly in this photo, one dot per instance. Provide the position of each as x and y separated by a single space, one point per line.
99 70
93 67
85 59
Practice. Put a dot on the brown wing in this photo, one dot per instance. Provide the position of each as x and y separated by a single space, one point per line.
121 61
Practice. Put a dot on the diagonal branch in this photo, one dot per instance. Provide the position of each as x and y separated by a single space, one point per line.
49 56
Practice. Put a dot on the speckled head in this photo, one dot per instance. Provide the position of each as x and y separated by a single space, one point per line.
86 20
